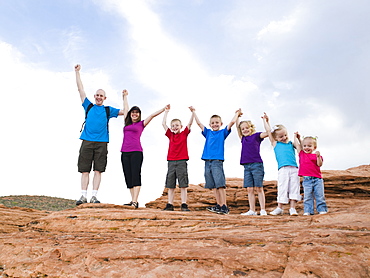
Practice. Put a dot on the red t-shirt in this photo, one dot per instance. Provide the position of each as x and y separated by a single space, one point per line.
178 147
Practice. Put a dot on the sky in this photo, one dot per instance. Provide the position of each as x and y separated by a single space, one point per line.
304 63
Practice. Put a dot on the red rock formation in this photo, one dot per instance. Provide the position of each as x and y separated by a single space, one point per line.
102 240
350 183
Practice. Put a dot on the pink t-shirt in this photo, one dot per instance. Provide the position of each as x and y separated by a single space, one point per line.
308 165
131 137
178 147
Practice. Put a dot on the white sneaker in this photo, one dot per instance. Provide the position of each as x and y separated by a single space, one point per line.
250 212
306 213
323 212
293 212
277 211
263 212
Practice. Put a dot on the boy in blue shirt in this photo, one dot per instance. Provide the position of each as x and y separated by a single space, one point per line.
213 155
95 138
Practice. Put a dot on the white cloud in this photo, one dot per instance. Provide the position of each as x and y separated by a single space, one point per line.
276 28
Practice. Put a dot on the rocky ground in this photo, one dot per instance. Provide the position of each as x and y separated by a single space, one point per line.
103 240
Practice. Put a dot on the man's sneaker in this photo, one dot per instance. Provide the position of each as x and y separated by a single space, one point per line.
224 210
277 211
249 212
135 205
168 207
184 207
128 204
82 200
306 213
293 212
215 209
263 212
94 200
323 212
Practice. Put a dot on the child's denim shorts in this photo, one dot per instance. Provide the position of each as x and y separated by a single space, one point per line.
214 174
253 174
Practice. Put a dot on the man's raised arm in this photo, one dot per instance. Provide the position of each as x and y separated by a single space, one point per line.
80 87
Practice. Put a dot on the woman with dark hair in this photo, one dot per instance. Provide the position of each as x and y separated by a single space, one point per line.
132 151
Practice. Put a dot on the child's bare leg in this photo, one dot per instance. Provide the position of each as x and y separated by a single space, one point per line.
251 198
261 197
171 195
184 195
293 203
217 196
222 195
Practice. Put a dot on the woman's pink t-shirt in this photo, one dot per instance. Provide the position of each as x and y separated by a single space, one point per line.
131 137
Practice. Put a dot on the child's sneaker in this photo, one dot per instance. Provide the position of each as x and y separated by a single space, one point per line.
249 212
169 207
224 210
263 212
306 213
94 200
323 212
277 211
82 200
184 207
215 209
293 212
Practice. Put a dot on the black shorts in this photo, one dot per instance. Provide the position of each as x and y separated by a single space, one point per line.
131 165
92 152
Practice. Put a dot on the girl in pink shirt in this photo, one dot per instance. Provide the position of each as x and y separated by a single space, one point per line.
309 168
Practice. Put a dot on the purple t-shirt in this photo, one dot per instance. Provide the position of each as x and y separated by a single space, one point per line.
251 148
131 137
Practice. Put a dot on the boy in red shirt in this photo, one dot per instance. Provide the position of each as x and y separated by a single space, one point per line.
177 158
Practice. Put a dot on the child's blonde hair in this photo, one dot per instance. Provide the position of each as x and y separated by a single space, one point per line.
176 120
250 124
216 116
276 128
313 138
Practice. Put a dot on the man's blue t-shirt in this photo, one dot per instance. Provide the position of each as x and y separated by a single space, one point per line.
95 128
214 146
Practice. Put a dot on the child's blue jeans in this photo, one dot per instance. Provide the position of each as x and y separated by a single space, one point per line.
313 189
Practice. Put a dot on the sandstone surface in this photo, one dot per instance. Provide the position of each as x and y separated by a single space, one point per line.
104 240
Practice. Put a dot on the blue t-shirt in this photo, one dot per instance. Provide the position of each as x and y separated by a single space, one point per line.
95 128
214 146
285 154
